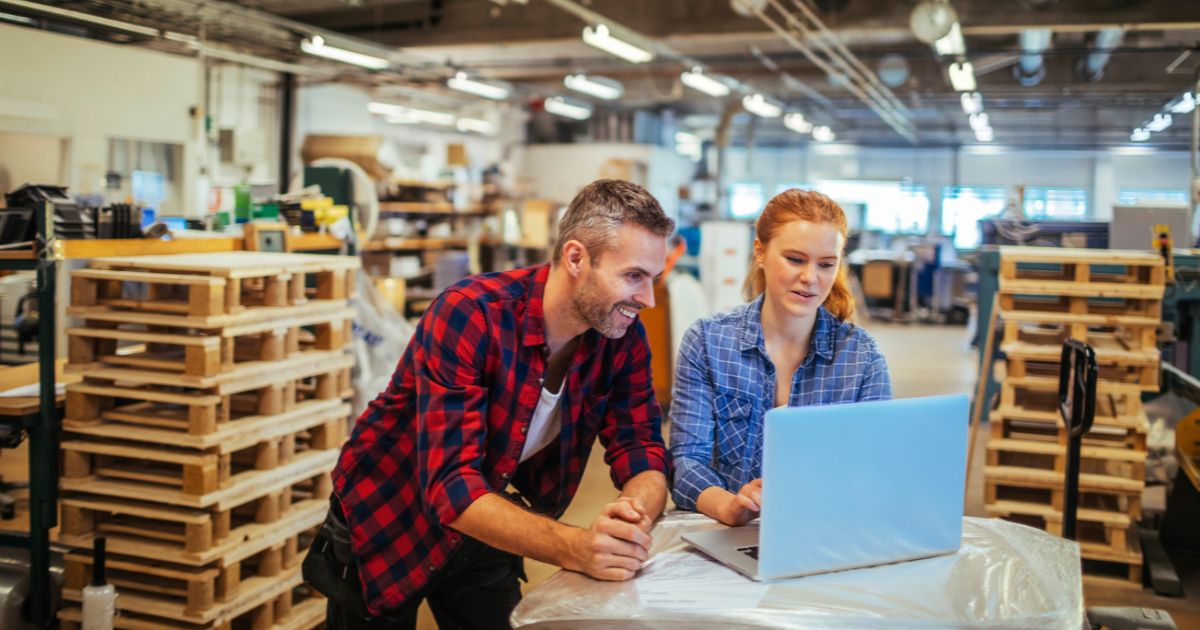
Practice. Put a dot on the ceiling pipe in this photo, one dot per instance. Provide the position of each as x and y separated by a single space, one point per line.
1106 40
1031 67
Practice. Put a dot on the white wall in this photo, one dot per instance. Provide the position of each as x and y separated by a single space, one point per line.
87 92
342 109
559 171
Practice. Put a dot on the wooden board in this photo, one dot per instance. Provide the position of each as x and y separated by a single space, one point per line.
305 613
263 315
252 593
241 377
1081 289
229 436
156 467
1075 255
232 264
143 530
241 489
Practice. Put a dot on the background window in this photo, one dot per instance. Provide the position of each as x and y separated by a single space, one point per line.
745 200
964 206
1150 197
1055 203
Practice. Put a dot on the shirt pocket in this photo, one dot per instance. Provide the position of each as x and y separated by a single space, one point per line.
734 427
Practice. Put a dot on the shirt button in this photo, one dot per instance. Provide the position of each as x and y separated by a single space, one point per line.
432 568
524 430
504 476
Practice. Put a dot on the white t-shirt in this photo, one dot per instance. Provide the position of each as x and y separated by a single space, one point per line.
545 425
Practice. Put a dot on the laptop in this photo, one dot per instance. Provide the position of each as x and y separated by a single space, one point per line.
851 486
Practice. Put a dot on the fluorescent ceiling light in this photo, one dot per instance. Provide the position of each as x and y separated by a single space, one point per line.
697 80
474 124
952 44
18 19
972 102
823 134
600 87
979 121
689 144
962 77
463 83
984 135
80 16
401 115
1159 123
599 37
1139 135
796 122
182 38
758 105
568 108
316 46
1184 105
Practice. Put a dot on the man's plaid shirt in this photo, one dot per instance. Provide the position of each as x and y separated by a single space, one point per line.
451 424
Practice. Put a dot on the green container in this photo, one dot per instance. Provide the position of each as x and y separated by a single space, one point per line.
241 202
266 211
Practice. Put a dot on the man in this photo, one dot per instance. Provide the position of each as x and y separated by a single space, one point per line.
509 378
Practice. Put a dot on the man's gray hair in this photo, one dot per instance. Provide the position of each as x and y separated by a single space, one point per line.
597 213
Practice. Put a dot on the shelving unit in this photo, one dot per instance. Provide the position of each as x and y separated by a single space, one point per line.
43 426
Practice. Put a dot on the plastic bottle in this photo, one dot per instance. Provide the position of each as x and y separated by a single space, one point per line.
99 597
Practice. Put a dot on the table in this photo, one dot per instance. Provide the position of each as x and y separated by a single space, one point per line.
1005 575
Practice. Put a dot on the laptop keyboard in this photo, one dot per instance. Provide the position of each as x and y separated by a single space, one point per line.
750 551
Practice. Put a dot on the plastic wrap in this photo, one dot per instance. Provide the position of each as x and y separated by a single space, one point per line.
1004 576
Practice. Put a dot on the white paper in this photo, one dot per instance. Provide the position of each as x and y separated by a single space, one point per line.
710 583
33 389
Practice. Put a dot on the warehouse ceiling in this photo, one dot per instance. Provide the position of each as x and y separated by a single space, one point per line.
535 43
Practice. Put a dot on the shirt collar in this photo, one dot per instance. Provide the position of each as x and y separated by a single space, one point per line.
824 330
535 316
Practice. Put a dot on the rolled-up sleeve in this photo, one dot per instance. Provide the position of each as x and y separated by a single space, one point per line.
692 422
451 404
632 430
876 382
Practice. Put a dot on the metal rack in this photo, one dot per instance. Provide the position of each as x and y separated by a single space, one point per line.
42 427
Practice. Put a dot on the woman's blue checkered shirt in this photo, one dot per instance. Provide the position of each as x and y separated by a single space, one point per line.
725 383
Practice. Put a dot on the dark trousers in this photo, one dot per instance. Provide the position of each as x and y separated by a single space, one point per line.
477 588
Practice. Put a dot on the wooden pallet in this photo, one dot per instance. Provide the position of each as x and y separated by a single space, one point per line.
229 436
266 391
1116 403
241 488
199 352
1104 267
1125 463
1047 487
1103 536
296 608
1129 345
276 602
1103 558
193 472
150 586
1136 370
1082 309
313 309
190 536
202 285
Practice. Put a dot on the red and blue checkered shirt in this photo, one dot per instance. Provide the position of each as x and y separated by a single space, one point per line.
451 425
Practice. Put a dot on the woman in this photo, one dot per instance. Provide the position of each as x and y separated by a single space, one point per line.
791 345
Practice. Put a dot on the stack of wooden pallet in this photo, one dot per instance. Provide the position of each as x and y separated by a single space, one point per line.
1111 300
200 440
